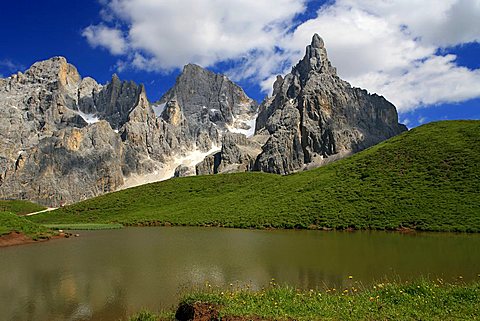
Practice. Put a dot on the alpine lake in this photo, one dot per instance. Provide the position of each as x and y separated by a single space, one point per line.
109 275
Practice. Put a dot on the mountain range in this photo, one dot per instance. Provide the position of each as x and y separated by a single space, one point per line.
66 138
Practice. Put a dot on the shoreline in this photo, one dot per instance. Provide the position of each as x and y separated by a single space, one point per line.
416 300
17 238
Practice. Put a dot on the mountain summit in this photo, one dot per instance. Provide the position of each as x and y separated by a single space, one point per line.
314 116
66 138
315 59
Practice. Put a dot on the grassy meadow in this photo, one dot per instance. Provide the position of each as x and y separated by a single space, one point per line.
419 300
20 207
84 226
10 222
427 179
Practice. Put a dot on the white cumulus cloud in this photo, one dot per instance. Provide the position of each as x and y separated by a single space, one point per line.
110 38
391 47
169 34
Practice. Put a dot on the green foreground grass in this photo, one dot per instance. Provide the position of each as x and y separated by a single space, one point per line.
425 179
84 226
420 300
20 207
10 222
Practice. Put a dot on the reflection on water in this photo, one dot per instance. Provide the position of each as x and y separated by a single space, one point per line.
108 275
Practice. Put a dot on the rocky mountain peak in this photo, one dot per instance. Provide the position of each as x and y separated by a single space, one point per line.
315 59
116 100
115 79
317 42
52 70
65 138
198 90
314 115
194 68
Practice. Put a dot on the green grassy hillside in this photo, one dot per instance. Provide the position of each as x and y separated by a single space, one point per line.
425 179
421 300
10 222
19 207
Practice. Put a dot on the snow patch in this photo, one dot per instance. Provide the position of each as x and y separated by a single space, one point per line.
158 109
89 118
193 158
244 126
166 171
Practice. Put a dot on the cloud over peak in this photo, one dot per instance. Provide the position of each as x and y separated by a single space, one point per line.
389 47
109 38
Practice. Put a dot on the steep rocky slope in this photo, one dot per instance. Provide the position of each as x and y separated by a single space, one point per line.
424 179
65 138
314 117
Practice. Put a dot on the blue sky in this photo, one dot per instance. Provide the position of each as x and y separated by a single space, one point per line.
426 61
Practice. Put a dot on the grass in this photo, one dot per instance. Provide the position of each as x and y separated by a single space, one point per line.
425 179
84 226
149 316
20 207
10 222
420 300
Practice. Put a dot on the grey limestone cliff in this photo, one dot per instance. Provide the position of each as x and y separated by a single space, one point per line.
207 104
314 115
48 151
65 138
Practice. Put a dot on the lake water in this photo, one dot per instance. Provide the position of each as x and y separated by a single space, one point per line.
107 275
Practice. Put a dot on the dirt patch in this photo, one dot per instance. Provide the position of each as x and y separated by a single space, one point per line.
197 312
228 318
15 238
200 311
405 230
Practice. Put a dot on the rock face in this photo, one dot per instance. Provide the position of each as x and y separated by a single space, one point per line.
65 138
49 153
205 105
314 115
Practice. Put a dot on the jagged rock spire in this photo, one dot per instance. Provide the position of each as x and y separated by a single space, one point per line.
315 59
317 42
314 115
